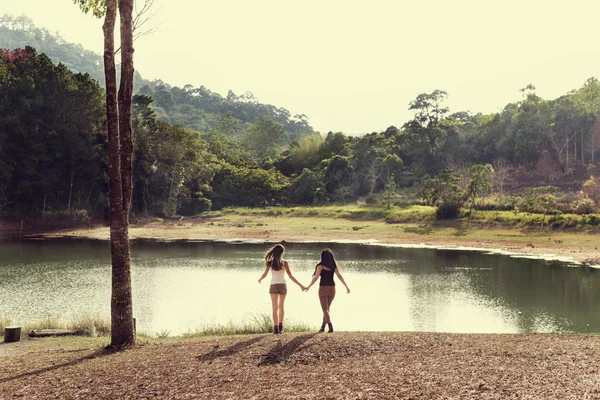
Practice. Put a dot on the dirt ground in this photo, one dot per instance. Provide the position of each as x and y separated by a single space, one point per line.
312 366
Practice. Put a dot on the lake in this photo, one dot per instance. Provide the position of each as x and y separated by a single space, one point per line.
181 286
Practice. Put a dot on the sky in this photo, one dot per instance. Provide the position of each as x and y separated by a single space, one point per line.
355 65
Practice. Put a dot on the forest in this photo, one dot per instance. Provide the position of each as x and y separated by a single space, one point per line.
196 150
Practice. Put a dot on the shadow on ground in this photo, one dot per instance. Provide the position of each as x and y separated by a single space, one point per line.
214 353
281 353
96 354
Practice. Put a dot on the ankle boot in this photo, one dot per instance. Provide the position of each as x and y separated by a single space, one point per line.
275 330
322 327
330 325
280 327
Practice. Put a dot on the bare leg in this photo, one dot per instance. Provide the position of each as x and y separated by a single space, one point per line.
275 305
281 310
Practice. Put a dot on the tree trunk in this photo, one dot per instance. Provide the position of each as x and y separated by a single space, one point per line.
567 159
70 192
373 183
582 153
168 208
121 299
575 147
125 100
145 199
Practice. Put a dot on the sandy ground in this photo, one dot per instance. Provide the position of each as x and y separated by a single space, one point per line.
314 366
577 247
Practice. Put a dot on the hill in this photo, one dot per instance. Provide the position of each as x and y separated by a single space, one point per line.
196 108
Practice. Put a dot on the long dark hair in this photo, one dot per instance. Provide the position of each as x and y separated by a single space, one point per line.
327 259
273 257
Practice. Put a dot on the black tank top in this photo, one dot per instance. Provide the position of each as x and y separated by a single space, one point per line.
327 277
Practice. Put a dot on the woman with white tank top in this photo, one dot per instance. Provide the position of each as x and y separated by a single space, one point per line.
278 288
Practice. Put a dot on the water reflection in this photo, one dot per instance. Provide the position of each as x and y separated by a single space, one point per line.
180 286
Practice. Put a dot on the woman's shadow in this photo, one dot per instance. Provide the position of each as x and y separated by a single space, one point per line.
281 353
214 353
278 354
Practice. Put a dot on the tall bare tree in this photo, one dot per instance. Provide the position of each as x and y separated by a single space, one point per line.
120 156
501 175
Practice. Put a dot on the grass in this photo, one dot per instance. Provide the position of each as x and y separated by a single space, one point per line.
4 322
261 323
95 326
420 214
86 325
348 211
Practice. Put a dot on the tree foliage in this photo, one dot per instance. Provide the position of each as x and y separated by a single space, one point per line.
480 182
51 136
193 145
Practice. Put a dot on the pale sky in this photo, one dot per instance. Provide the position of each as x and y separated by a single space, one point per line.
354 66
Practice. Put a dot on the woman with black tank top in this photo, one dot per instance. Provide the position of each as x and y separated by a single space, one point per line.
326 269
278 287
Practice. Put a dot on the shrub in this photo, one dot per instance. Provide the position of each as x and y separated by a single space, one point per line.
67 216
585 206
593 219
195 206
447 210
371 199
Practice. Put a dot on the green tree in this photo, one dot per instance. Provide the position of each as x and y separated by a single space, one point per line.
51 159
392 165
305 153
591 188
244 186
443 188
342 192
338 172
306 187
540 199
264 137
431 119
480 183
390 191
335 144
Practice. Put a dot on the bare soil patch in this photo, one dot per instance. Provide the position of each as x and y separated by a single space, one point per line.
342 365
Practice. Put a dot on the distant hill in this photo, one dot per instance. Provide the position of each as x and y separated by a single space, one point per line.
196 108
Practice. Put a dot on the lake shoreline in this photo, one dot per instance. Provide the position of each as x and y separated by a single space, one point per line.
299 365
574 247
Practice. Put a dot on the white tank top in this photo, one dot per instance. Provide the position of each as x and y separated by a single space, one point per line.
278 276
